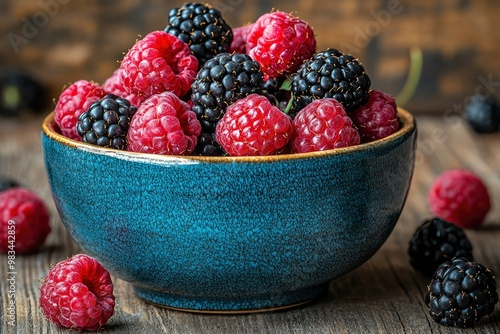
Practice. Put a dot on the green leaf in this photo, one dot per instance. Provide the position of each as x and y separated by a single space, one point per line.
287 85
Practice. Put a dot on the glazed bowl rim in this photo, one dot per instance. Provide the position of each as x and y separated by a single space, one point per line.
49 129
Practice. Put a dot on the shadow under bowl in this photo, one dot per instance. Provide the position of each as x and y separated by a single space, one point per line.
230 234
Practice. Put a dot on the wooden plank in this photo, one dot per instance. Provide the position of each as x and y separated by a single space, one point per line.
385 295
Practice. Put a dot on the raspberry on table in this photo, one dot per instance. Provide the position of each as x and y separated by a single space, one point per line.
221 81
376 119
280 43
460 197
461 293
78 294
160 62
72 102
330 74
437 241
240 35
163 124
24 219
253 126
202 27
106 123
322 125
113 85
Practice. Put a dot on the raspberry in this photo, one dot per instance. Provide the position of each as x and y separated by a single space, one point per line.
113 85
24 219
78 293
240 34
160 62
72 102
280 43
163 124
106 122
253 126
376 119
460 197
322 125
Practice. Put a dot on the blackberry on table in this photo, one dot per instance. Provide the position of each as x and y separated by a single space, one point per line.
461 293
435 242
19 92
7 183
106 122
483 114
221 81
330 74
202 28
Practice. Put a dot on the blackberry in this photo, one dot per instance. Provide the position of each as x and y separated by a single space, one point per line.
330 74
106 122
461 293
435 242
20 92
221 81
7 183
483 114
202 28
207 145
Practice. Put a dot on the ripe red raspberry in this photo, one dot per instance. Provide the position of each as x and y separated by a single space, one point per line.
253 126
460 197
322 125
164 124
280 43
160 62
73 101
114 85
78 293
376 119
24 221
240 34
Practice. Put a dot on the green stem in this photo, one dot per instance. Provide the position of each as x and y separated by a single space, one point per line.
416 64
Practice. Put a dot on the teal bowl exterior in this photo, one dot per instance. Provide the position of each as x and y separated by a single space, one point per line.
230 234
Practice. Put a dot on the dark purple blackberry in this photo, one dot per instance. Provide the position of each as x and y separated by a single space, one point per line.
208 146
435 242
483 114
461 293
330 74
106 122
221 81
7 183
202 28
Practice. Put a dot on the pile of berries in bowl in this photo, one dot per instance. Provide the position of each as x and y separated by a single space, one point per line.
229 170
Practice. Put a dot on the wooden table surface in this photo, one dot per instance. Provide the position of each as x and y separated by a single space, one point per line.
385 295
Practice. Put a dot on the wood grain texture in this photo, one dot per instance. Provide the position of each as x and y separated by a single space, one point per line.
385 295
61 41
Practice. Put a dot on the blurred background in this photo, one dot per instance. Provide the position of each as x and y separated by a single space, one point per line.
61 41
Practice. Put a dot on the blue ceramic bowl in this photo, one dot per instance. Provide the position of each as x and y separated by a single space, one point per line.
230 234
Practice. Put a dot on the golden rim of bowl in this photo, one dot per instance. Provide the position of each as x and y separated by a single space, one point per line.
49 128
